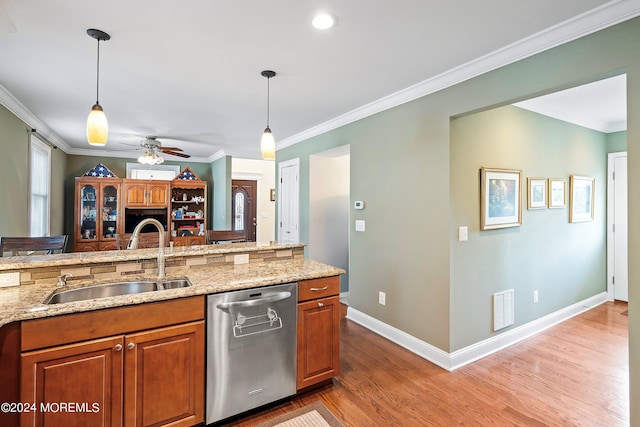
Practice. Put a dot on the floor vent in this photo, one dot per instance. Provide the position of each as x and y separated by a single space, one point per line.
502 309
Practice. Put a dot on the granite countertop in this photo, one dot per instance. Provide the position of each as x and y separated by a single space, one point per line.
83 258
26 302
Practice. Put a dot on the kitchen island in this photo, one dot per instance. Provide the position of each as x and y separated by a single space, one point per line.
165 324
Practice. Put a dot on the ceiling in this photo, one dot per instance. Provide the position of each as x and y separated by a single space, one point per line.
601 105
189 72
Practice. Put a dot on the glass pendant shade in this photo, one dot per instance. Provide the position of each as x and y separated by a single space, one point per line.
97 126
268 145
150 158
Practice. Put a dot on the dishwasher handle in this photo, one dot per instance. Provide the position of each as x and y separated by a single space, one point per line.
253 302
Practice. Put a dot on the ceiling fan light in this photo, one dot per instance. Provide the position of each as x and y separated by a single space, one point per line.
150 158
268 145
97 126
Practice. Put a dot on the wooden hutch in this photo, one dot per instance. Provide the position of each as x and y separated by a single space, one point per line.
107 209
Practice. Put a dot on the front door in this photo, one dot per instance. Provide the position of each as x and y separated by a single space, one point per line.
243 207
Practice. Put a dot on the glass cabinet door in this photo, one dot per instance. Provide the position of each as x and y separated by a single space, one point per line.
88 212
109 211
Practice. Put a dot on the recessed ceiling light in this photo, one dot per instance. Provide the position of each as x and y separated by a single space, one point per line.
323 21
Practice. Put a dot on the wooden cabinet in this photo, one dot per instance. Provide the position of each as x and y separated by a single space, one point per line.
97 216
88 374
188 210
146 194
318 331
150 376
189 241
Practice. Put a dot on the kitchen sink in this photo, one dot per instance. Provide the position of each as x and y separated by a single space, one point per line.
113 289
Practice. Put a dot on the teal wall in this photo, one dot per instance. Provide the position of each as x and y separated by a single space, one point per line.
616 142
400 167
14 179
565 262
221 177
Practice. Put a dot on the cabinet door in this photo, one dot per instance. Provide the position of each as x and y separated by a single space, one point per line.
318 341
158 195
86 247
135 194
164 376
87 375
87 199
109 224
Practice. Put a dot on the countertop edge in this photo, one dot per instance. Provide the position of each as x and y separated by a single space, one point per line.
236 278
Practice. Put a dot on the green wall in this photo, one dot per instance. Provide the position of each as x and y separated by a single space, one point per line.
14 163
400 167
616 142
221 177
14 178
565 262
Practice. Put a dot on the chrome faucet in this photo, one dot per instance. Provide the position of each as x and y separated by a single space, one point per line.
62 279
133 244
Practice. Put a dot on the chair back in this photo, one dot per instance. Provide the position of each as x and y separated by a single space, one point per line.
33 245
232 236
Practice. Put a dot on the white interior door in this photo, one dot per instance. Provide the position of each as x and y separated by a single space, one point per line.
288 201
620 274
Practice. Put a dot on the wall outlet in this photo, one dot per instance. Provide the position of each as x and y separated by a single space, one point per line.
382 298
535 296
9 279
360 225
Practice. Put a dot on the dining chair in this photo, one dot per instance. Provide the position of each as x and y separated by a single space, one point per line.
33 245
232 236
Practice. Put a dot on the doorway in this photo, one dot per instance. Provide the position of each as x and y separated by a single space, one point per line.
329 209
243 206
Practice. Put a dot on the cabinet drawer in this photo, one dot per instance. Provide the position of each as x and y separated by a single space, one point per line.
318 288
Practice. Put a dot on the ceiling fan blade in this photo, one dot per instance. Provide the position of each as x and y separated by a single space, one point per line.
172 153
163 148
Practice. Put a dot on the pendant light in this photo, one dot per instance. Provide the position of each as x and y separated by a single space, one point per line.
97 127
267 143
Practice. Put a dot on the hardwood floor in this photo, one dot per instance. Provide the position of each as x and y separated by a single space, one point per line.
575 373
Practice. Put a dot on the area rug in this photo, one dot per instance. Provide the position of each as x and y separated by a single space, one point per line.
625 313
313 415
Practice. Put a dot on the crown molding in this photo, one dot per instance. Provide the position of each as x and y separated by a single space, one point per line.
12 104
605 16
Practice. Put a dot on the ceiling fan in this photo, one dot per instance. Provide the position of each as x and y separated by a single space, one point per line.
152 146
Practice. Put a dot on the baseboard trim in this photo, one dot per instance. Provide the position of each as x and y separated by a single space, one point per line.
462 357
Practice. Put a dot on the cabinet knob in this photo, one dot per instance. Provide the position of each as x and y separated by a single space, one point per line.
118 347
320 304
131 346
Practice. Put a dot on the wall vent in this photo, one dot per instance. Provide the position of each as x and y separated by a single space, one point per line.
502 309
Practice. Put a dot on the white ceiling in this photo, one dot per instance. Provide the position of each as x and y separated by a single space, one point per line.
191 70
600 105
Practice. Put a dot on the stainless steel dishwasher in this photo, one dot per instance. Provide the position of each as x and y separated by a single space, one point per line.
251 349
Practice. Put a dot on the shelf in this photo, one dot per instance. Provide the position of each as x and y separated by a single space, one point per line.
188 219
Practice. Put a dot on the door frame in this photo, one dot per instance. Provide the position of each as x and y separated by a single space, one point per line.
610 219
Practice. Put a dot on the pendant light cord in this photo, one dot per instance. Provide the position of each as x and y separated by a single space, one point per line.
98 74
268 78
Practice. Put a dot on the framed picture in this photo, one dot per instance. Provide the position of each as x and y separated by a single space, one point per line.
536 193
557 193
500 200
582 198
272 195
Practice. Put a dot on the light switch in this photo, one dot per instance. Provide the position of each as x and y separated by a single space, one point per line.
359 225
463 234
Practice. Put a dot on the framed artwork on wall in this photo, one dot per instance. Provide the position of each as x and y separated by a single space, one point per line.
536 193
557 193
500 199
582 198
